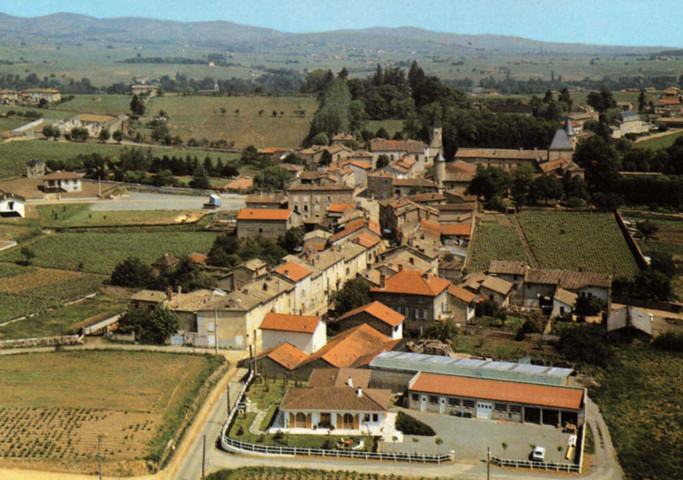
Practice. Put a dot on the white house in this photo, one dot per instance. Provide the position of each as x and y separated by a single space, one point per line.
11 205
307 333
336 401
62 182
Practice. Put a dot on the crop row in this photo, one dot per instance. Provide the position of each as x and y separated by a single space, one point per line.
579 241
495 242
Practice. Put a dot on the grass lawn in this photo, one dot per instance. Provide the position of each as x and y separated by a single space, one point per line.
79 214
51 416
659 142
639 395
99 252
201 117
66 320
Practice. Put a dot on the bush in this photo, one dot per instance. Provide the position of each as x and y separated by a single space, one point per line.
585 344
412 426
670 341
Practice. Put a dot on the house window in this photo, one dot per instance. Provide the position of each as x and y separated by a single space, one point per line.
433 399
491 297
348 270
515 409
454 402
329 199
468 403
415 397
305 208
300 420
375 417
501 407
317 199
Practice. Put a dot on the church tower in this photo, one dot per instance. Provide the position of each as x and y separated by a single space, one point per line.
436 136
439 171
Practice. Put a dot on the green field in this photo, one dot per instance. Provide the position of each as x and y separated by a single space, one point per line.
27 290
659 142
113 105
201 117
100 252
50 416
80 215
66 320
495 242
14 155
644 422
578 241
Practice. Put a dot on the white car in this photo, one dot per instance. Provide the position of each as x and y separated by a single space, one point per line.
538 454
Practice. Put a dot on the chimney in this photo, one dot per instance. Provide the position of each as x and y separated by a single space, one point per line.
382 280
349 382
400 267
425 275
359 392
265 287
411 260
169 293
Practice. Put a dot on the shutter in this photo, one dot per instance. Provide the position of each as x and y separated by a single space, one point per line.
340 421
292 420
356 421
308 420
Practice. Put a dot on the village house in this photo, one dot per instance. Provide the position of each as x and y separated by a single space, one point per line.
629 323
404 167
12 205
360 172
242 274
395 149
62 182
8 97
394 213
488 287
35 168
269 223
338 403
306 281
142 90
312 201
421 297
307 333
165 264
461 304
94 124
380 185
377 315
455 176
275 201
629 123
238 185
342 139
33 96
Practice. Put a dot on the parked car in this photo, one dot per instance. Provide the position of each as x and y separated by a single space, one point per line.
537 454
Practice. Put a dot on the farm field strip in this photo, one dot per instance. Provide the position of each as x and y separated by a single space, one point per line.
100 252
495 242
50 417
578 241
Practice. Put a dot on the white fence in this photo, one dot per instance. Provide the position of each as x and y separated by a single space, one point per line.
231 444
557 467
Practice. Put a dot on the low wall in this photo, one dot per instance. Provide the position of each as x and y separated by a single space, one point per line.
41 342
630 241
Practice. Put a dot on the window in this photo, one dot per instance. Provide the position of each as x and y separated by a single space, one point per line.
415 397
296 198
300 420
375 417
454 402
317 199
433 399
348 270
501 407
366 417
305 208
468 403
515 409
329 199
491 297
347 421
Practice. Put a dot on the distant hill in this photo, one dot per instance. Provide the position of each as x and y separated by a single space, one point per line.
67 27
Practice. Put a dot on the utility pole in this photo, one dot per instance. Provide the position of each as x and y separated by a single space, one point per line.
99 455
215 328
203 455
227 391
488 463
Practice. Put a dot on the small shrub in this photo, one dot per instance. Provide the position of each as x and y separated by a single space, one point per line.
412 426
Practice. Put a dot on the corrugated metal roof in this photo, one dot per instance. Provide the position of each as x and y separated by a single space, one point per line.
471 367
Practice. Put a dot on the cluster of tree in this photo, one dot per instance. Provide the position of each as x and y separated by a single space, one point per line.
603 159
29 114
274 81
525 188
12 81
584 344
134 273
271 178
549 108
163 60
337 111
149 326
537 85
353 294
386 94
229 251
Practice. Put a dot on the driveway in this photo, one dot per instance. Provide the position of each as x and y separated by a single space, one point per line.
469 438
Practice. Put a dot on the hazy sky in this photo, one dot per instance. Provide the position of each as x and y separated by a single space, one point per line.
609 22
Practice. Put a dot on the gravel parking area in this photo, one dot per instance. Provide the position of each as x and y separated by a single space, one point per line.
161 201
469 438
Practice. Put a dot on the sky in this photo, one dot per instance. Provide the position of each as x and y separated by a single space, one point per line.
604 22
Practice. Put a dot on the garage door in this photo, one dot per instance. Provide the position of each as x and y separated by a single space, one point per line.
484 409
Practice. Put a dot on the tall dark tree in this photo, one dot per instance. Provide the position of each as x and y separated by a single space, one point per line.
137 106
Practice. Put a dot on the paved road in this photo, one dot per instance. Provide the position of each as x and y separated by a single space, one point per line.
164 201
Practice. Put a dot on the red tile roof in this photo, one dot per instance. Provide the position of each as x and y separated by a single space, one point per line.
354 347
359 164
460 229
293 271
433 228
239 184
286 355
497 390
339 207
61 176
367 241
411 282
264 214
379 311
290 323
461 294
354 226
197 257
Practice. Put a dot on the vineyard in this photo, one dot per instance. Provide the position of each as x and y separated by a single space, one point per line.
100 252
495 242
51 417
270 473
579 241
26 290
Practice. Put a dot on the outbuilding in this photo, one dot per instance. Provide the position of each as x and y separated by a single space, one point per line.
11 205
